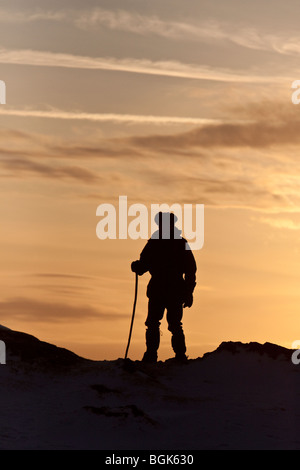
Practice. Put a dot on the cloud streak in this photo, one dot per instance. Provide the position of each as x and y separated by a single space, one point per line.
131 65
247 164
281 223
23 166
190 30
260 126
208 30
17 16
213 31
133 22
105 117
23 308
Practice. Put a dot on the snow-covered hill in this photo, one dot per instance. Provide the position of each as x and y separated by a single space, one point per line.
241 396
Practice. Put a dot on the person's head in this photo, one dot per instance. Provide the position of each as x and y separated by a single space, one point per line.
166 224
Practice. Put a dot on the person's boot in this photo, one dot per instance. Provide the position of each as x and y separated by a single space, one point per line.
181 358
152 343
178 344
150 357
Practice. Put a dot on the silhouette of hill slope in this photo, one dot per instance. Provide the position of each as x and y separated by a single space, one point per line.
269 349
27 349
240 396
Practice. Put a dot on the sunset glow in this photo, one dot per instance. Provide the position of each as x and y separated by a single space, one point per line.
163 102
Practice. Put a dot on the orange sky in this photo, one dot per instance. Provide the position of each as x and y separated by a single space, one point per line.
164 102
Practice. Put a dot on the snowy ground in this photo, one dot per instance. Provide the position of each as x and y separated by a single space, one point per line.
242 396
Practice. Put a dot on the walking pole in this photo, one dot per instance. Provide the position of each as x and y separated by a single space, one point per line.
133 313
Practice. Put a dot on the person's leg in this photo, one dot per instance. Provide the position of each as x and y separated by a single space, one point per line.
174 317
155 314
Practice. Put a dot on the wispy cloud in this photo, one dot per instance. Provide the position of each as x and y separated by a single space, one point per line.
17 16
137 23
190 29
255 126
211 30
247 164
251 126
61 276
24 166
28 309
132 65
105 117
280 223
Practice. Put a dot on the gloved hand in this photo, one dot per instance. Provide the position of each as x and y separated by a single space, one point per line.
135 267
188 301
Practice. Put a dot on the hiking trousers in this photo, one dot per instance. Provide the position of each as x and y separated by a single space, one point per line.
156 309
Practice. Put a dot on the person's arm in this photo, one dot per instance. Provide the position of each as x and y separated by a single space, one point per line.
190 269
141 266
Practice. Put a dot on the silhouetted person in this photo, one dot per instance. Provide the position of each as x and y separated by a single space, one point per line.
173 279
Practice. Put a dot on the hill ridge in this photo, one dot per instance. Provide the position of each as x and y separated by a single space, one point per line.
29 348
